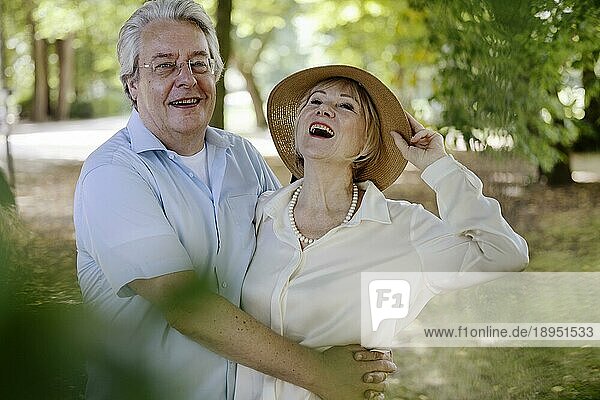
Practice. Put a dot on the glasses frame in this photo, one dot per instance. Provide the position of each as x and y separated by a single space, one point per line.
210 61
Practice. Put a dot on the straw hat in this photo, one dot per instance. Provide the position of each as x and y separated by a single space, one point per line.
281 114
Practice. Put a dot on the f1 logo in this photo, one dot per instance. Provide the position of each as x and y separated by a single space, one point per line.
388 299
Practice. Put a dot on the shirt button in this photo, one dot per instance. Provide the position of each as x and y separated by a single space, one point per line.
171 156
190 174
224 284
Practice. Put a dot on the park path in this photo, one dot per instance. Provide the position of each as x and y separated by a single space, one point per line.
75 140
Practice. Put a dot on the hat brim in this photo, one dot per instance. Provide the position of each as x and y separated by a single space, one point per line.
283 104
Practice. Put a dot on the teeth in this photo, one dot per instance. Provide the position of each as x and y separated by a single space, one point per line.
323 128
185 102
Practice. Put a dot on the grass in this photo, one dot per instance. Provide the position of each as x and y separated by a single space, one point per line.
502 373
566 241
42 354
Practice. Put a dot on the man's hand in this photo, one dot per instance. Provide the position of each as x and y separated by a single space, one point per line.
373 355
348 370
425 147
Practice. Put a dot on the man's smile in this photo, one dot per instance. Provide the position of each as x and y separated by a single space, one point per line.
185 102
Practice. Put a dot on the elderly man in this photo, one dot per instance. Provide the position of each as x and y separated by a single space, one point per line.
164 224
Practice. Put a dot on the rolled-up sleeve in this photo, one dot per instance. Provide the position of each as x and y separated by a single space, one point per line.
470 236
125 228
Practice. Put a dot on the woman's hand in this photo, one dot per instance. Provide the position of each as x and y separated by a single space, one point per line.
425 147
353 372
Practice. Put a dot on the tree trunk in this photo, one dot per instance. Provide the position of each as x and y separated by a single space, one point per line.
257 100
559 175
7 198
66 59
41 91
589 135
223 34
2 48
561 172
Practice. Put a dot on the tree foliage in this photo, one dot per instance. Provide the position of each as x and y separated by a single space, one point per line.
506 73
264 46
93 25
387 37
98 88
512 71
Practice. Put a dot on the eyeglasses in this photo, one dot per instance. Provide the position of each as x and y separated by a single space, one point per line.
198 66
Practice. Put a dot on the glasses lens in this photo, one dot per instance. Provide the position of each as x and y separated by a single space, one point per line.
200 65
164 68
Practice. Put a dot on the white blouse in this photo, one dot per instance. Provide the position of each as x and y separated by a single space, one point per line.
312 296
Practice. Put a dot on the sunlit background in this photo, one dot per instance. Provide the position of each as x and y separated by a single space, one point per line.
513 85
511 74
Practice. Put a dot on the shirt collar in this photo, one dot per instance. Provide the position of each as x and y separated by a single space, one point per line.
141 138
373 207
281 199
144 140
217 137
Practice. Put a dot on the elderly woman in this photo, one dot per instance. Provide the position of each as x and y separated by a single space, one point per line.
346 135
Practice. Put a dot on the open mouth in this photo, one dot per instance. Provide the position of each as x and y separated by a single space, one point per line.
183 103
321 130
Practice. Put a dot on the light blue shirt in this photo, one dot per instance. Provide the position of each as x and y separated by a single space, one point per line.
140 212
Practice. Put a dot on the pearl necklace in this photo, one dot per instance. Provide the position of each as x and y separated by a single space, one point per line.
292 204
